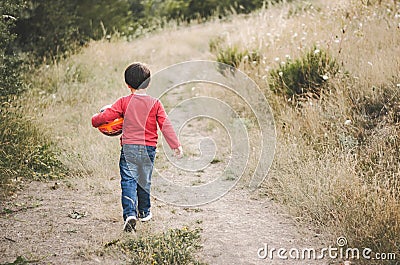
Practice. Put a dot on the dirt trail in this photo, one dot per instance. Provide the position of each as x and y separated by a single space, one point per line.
69 225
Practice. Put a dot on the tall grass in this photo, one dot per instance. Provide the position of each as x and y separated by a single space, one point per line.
25 153
337 160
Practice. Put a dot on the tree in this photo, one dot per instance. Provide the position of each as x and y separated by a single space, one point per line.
10 83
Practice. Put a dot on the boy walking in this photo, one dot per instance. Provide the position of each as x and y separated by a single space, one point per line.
142 113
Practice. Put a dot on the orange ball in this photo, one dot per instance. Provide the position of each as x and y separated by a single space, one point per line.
113 128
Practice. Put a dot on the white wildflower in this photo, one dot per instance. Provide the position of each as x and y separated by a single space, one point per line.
316 51
370 63
280 74
325 77
347 122
277 59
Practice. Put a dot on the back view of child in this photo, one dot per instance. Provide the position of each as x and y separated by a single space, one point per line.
142 113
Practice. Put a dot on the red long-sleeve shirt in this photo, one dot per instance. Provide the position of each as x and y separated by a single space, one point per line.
141 115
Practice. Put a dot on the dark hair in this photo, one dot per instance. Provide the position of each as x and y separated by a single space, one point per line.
137 75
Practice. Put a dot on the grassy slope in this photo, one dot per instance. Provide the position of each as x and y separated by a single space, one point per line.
343 177
348 192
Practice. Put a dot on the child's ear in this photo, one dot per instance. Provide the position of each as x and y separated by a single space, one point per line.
131 88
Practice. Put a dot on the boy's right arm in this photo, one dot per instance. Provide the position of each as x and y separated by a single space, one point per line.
108 115
178 152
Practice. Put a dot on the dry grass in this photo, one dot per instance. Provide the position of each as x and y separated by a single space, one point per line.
342 176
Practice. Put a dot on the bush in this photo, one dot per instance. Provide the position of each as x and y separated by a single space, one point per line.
176 246
304 77
233 56
24 150
56 28
10 83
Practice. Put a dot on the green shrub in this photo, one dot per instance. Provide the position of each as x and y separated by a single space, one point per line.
233 56
304 77
230 56
176 246
25 152
10 83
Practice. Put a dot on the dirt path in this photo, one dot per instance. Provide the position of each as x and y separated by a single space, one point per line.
43 224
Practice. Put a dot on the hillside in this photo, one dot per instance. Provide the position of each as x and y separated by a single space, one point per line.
336 167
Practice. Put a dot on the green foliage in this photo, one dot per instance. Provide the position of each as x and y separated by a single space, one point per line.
230 56
9 63
55 28
233 56
304 77
24 151
47 28
176 246
20 260
97 18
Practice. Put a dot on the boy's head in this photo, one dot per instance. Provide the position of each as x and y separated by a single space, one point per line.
137 76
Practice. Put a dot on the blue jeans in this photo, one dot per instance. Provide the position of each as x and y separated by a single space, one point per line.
136 166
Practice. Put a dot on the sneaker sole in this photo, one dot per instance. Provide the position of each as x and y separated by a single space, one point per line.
130 225
147 218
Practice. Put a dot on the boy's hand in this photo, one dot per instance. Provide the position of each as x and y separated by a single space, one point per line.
178 152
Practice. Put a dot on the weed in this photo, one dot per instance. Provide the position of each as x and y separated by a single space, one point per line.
304 77
175 246
20 260
26 153
234 57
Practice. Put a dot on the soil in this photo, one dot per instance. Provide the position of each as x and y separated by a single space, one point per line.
68 223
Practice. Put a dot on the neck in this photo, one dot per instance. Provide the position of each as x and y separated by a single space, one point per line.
140 92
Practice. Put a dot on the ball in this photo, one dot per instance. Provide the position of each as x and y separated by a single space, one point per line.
113 128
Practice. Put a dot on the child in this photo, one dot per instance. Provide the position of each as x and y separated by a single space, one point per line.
141 114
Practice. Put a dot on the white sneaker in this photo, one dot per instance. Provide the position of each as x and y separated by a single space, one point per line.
146 217
130 224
